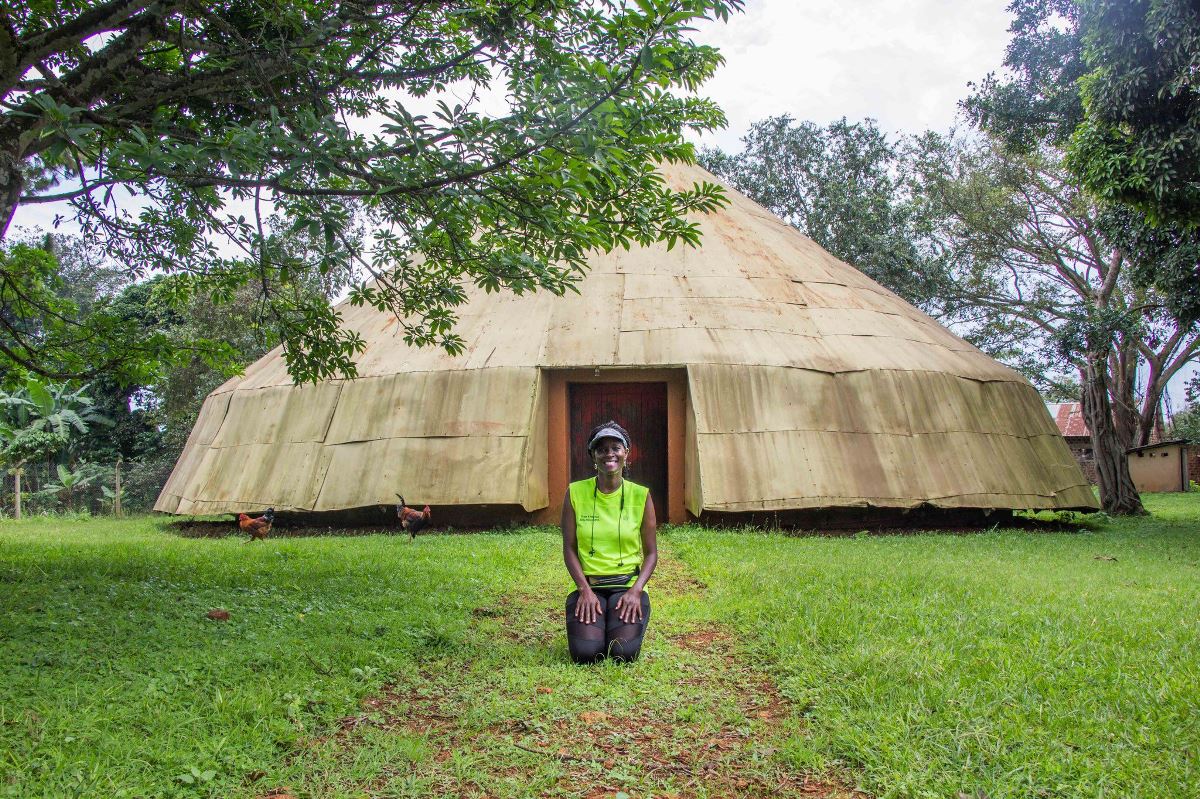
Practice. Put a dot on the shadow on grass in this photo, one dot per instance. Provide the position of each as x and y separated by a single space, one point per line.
206 528
1023 521
830 522
308 527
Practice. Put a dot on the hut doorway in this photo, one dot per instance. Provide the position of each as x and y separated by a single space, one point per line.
641 408
629 396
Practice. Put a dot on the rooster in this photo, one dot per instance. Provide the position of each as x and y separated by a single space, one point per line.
257 528
414 521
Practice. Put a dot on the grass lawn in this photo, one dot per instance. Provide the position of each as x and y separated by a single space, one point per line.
997 664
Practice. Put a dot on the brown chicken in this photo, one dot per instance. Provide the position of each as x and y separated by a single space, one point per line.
414 521
256 527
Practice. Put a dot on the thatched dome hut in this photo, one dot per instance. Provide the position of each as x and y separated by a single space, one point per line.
757 374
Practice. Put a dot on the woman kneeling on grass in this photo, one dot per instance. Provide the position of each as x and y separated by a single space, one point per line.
610 549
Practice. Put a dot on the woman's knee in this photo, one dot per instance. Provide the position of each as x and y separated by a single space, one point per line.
626 650
625 640
585 642
585 650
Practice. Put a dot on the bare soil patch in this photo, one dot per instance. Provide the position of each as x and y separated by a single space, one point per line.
204 528
670 577
706 726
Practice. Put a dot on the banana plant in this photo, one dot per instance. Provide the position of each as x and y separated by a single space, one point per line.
39 422
41 419
71 481
111 499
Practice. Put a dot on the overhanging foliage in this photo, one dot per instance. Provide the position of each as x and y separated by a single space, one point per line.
494 143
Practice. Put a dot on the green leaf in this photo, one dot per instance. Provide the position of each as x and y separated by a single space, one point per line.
40 395
448 193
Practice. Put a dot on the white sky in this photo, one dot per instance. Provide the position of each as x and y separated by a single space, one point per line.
905 64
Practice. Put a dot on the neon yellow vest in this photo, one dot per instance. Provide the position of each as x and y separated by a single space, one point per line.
607 537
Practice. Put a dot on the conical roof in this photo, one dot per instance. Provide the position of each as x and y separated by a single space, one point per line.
808 386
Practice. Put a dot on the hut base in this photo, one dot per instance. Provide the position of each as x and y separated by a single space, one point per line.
455 517
487 517
853 520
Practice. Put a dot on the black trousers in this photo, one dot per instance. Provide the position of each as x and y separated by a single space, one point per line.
607 636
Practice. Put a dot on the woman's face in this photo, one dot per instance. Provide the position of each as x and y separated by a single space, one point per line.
609 455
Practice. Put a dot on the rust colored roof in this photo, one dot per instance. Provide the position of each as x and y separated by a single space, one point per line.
1069 418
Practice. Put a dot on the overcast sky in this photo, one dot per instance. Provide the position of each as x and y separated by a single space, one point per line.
905 64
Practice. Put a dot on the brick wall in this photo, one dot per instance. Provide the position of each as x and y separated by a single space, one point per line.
1081 448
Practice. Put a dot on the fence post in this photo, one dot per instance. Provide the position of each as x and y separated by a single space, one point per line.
17 474
117 490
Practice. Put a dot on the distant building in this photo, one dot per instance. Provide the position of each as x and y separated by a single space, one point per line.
1068 416
1160 467
1157 466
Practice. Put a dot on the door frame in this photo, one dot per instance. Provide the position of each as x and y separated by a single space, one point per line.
558 418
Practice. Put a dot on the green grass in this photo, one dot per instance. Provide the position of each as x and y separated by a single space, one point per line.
1005 664
115 682
1012 664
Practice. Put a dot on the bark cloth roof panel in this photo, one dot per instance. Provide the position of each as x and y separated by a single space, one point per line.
810 386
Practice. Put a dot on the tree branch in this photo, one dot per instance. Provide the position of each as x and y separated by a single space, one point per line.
100 19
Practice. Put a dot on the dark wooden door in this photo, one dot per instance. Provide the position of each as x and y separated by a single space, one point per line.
641 408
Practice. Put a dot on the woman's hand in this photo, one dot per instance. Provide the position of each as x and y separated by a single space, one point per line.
629 606
587 607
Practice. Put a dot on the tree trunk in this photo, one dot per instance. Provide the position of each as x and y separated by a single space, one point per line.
1118 496
1122 380
1150 417
12 183
117 490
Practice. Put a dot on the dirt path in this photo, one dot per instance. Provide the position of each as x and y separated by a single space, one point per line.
691 719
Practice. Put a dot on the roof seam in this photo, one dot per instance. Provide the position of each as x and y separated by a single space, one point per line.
911 501
897 434
332 412
716 327
885 369
739 298
368 440
676 364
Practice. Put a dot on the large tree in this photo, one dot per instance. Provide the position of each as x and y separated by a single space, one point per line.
1139 141
481 141
844 186
1113 84
1037 261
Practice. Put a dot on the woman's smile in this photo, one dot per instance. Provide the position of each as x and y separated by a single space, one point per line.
609 457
